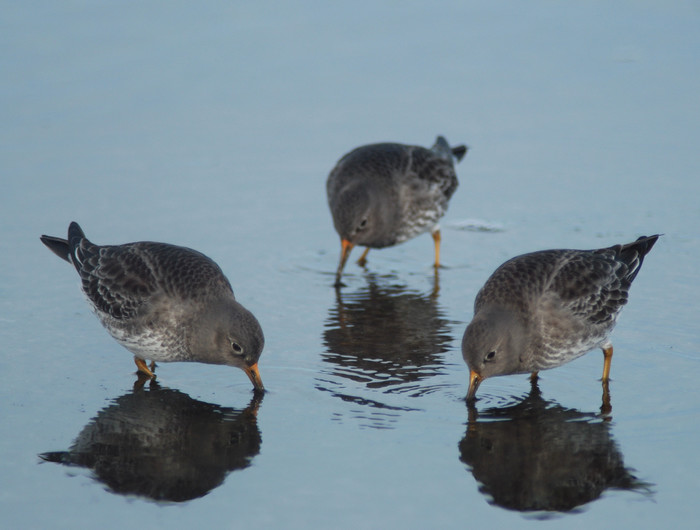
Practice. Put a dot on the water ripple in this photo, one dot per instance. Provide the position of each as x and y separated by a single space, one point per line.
384 339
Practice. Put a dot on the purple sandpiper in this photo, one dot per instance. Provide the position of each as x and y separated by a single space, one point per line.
164 303
541 310
383 194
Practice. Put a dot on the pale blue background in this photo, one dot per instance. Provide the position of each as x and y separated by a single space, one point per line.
214 125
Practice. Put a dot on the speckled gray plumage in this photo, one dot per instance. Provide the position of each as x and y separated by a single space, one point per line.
541 310
383 194
163 302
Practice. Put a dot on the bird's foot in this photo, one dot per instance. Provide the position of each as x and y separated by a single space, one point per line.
363 259
143 368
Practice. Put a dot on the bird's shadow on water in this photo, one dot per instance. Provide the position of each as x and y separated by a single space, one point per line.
162 445
383 339
538 457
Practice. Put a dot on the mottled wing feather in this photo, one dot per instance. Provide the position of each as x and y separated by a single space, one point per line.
182 271
119 280
593 285
427 167
384 161
517 280
101 274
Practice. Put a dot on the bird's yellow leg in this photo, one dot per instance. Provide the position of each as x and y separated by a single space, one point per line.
436 239
534 377
143 368
363 259
606 407
607 359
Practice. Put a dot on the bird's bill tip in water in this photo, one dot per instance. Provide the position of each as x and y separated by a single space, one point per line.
346 247
474 382
254 376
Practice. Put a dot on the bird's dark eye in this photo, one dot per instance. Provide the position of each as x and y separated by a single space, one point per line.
237 348
362 225
490 356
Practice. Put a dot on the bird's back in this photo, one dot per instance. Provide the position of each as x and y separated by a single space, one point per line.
120 279
591 284
392 165
518 280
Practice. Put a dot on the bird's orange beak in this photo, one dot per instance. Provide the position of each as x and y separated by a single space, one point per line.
346 247
254 376
474 381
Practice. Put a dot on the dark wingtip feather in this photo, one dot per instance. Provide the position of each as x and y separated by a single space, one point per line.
633 253
638 248
75 232
75 237
645 243
443 149
459 151
60 457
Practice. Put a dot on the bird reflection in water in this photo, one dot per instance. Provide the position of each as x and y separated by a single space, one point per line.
539 456
383 339
161 444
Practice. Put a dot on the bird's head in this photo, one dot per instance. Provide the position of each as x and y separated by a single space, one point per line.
491 346
230 334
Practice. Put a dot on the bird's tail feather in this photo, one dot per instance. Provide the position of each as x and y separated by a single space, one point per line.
65 248
642 245
633 253
58 246
443 149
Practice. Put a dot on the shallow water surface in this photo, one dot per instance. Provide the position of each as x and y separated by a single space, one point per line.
537 456
160 444
214 127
